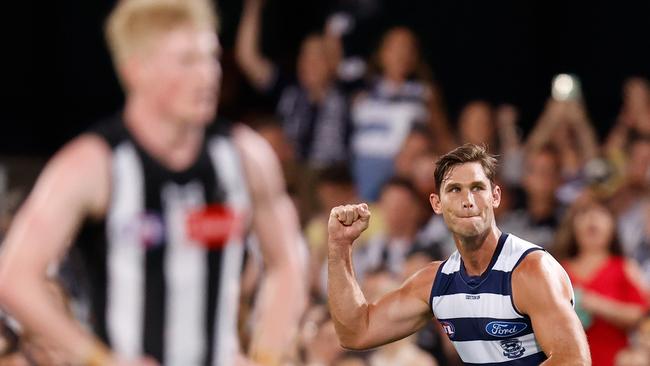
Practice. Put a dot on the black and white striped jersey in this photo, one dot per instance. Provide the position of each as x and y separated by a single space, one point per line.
165 262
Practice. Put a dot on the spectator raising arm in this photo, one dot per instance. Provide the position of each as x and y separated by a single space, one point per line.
257 68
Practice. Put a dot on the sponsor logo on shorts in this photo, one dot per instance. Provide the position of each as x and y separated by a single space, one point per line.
472 297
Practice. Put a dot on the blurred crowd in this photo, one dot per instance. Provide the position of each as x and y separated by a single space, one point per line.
350 130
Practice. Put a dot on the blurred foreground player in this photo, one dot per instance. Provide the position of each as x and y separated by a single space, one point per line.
500 299
159 199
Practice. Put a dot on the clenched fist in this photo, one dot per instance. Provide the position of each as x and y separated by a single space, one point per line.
346 223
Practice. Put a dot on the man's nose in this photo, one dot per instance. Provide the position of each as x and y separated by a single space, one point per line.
467 201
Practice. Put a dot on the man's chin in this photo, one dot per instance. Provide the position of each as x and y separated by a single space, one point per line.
468 231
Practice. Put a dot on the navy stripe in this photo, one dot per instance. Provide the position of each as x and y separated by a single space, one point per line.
477 280
476 329
436 283
496 282
532 360
524 254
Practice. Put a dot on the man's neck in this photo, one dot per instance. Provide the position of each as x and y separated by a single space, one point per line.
173 143
477 251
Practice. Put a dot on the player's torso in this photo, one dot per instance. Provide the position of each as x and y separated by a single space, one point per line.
478 314
167 257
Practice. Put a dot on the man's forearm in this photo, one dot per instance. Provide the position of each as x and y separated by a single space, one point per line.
27 300
280 304
347 303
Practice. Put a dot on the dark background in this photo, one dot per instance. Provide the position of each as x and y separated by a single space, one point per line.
502 51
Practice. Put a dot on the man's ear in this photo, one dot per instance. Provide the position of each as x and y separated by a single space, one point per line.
434 199
496 196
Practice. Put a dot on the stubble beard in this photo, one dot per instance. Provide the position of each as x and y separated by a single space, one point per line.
472 239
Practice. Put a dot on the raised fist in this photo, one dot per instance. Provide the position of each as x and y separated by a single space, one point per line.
346 223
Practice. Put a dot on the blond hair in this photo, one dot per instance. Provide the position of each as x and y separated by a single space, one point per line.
134 24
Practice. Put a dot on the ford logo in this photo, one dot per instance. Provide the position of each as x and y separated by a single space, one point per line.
504 329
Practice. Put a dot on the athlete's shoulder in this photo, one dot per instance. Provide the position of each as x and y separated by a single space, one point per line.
420 283
540 266
514 251
111 129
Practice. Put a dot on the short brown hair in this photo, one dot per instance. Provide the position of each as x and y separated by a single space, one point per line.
468 153
134 24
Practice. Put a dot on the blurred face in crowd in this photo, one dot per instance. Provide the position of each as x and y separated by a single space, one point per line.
180 75
593 226
314 69
332 194
400 210
416 145
423 174
398 54
506 200
467 200
541 174
476 124
638 165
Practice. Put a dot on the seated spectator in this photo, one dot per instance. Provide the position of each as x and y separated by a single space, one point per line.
401 95
610 298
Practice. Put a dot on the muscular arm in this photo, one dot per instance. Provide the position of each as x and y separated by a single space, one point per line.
73 185
361 325
282 295
257 68
541 289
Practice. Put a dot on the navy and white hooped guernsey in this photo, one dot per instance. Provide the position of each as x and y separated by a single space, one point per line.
478 313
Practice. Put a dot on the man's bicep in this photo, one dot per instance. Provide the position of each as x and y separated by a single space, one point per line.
402 312
557 329
275 220
72 185
542 290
